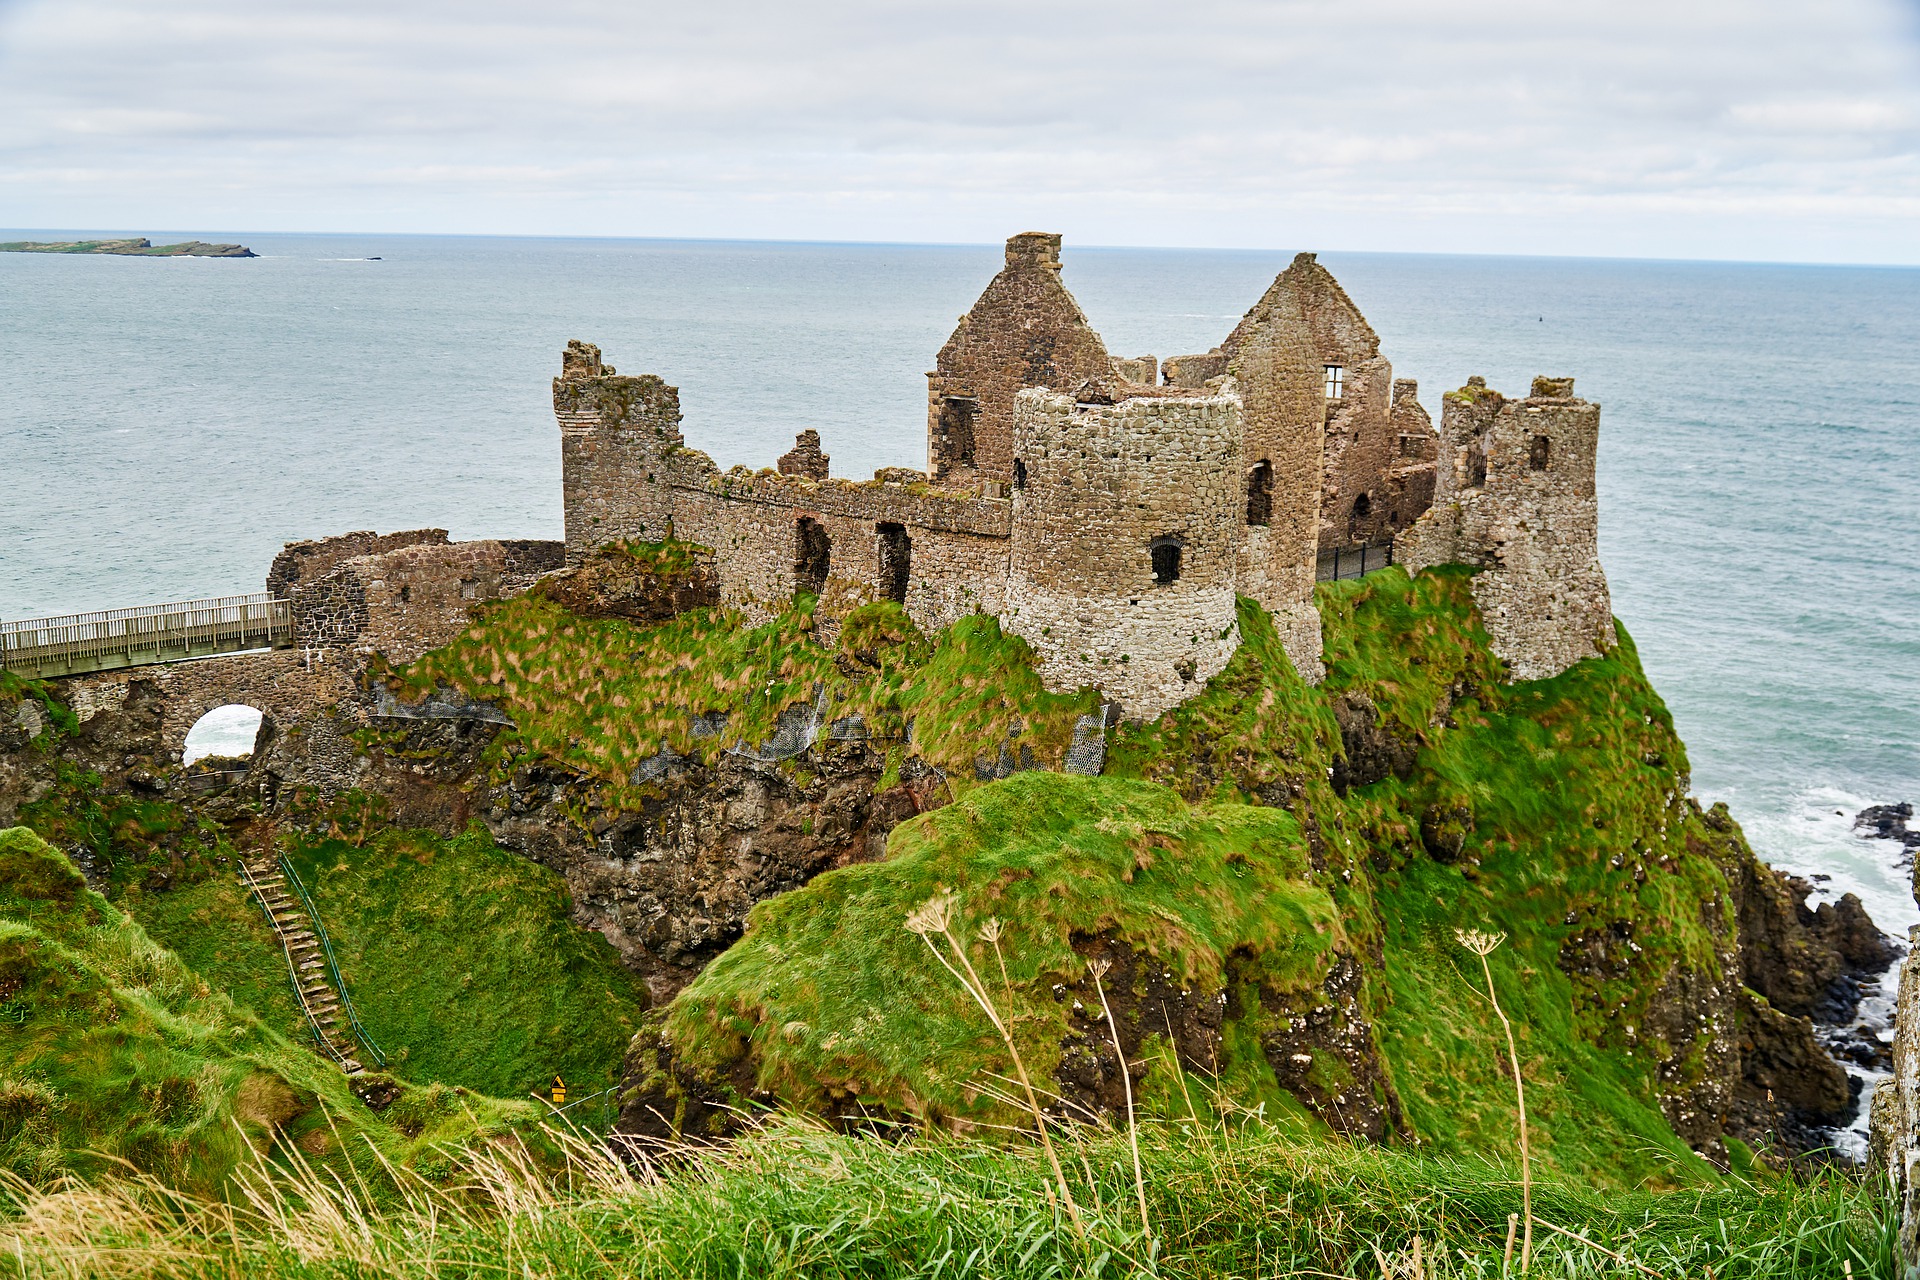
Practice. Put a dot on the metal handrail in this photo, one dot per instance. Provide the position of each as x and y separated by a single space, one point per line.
293 969
150 629
333 965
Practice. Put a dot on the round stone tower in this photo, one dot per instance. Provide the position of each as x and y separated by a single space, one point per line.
1127 506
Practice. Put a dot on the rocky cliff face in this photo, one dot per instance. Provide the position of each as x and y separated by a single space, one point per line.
669 858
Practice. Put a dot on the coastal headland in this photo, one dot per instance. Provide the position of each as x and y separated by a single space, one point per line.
138 247
1191 743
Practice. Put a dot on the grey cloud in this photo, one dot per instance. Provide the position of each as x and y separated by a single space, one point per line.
1210 122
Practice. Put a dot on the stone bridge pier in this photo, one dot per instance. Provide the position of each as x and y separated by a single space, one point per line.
290 688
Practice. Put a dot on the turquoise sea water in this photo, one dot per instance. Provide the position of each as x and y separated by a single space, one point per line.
166 424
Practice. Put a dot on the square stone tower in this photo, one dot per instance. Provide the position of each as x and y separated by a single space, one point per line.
1514 495
615 435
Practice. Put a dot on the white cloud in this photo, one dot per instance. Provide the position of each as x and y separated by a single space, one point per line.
1766 128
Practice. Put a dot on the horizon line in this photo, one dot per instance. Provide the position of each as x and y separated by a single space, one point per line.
1068 246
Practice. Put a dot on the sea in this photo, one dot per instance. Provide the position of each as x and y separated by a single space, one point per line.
167 424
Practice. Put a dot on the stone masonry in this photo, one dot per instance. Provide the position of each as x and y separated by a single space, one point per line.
1126 524
1514 495
411 598
1025 331
1108 520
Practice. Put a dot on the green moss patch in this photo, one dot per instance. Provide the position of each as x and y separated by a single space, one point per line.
828 993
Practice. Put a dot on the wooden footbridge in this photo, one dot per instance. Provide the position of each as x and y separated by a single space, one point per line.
114 638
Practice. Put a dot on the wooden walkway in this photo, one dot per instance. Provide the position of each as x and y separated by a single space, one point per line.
114 638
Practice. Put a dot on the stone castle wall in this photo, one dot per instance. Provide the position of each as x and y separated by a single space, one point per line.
1026 330
291 689
1316 470
613 432
1272 357
402 602
300 562
1126 523
1514 495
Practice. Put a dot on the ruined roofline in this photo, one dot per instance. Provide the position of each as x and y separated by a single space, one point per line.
1303 273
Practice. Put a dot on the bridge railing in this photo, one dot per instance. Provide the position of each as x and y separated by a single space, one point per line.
148 633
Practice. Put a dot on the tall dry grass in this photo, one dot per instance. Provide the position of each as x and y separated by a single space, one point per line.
794 1199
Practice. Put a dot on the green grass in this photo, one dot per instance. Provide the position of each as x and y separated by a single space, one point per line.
1577 794
1572 796
465 965
220 933
828 994
797 1202
115 1053
604 695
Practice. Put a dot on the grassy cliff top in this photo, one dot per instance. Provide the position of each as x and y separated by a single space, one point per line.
113 1050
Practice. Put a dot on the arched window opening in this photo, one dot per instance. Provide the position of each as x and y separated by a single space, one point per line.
1537 455
1363 506
896 561
812 555
1166 560
1260 493
224 733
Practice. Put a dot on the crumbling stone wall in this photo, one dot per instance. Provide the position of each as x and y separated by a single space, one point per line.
403 602
1514 495
1126 527
1326 465
1025 330
1275 366
1318 471
613 433
300 562
1409 477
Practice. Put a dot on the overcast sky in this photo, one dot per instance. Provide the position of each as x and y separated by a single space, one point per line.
1769 129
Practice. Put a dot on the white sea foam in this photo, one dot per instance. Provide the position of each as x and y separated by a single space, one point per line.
1811 834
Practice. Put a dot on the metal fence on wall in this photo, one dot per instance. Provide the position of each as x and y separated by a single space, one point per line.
1353 562
149 633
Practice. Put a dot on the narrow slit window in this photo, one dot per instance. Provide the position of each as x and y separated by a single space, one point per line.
1336 382
896 561
1019 474
1166 561
1260 494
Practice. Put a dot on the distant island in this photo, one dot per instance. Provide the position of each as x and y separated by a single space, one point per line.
140 248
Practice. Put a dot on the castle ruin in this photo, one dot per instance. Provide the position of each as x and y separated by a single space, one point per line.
1109 510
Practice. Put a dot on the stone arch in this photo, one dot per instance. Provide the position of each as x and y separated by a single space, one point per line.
291 689
232 730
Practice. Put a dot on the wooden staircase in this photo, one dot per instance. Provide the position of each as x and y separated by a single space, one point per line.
316 995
